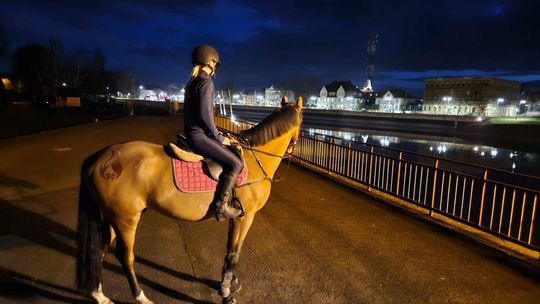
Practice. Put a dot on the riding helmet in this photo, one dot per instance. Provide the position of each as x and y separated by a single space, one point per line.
202 54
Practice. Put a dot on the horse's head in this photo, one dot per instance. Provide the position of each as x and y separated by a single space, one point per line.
295 131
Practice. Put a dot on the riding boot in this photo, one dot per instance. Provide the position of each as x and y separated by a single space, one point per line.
226 206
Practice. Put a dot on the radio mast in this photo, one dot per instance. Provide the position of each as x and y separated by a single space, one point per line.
371 51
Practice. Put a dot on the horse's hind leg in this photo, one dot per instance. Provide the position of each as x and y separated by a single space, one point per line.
125 241
108 236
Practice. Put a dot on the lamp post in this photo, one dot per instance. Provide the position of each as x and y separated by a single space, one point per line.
500 100
448 99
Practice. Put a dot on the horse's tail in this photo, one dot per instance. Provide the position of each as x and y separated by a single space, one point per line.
88 234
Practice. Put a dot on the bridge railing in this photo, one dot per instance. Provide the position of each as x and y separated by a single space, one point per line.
499 202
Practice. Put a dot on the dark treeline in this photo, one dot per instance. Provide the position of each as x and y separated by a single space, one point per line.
40 73
3 50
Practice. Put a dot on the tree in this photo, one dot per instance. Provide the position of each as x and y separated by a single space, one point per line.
27 62
78 68
3 42
40 69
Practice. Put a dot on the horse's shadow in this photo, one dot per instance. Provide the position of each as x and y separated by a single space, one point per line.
43 231
21 287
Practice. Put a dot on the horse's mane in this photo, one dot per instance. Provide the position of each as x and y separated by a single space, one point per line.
273 126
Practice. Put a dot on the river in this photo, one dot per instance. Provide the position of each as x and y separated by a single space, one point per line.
509 158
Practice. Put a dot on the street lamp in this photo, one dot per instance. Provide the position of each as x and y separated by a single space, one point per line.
448 99
500 100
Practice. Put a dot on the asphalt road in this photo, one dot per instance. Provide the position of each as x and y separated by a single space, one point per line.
314 242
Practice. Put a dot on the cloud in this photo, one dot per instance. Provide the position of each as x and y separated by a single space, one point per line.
264 42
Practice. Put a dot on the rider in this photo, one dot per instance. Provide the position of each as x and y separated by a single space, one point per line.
201 132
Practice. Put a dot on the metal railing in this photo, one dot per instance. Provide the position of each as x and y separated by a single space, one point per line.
496 201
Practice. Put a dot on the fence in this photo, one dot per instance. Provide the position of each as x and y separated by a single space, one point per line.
499 202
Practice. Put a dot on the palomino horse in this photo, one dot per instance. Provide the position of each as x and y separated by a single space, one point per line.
119 182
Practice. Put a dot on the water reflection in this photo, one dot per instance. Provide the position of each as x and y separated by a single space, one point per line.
450 148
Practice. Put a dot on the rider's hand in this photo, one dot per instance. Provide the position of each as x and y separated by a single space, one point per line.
227 141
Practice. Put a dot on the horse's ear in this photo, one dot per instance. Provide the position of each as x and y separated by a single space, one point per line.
284 101
299 102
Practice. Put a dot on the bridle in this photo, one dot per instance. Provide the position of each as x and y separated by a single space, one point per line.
244 143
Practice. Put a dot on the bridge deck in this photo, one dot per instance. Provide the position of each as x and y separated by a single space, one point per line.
314 242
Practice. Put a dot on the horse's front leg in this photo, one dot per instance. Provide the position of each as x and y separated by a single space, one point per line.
238 229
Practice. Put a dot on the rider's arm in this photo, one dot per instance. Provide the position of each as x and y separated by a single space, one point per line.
206 89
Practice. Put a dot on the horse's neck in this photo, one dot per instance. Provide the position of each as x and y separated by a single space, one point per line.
276 146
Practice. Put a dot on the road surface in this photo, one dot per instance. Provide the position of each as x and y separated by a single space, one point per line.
314 242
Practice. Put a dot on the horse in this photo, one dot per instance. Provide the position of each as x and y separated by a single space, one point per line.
120 182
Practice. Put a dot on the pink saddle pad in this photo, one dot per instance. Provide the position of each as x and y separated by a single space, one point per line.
190 177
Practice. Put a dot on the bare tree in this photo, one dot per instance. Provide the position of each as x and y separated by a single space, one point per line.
79 65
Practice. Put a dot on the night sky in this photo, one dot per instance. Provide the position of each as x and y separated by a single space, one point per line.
291 43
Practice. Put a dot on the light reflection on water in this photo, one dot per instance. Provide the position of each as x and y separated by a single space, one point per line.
489 156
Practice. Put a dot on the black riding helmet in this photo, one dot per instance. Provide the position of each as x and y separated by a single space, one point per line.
202 54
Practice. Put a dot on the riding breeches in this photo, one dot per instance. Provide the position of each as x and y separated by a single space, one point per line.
211 148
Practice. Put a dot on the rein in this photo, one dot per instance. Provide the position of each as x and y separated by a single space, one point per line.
245 144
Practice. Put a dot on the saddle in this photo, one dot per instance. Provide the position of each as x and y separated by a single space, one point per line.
193 172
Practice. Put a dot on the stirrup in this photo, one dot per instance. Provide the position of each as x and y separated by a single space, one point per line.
228 211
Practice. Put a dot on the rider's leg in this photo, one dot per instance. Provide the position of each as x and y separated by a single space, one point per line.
232 166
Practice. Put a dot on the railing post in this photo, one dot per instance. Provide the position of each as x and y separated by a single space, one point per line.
328 162
532 220
434 187
370 166
483 196
399 172
349 159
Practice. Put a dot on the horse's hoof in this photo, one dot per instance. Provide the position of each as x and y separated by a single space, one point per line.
228 301
99 297
235 285
142 299
104 301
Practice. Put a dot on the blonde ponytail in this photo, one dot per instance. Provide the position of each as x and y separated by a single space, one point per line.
196 71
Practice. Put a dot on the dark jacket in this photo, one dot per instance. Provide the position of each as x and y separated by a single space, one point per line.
199 108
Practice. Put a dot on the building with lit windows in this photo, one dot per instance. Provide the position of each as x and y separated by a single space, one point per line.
394 100
272 96
471 96
340 95
152 93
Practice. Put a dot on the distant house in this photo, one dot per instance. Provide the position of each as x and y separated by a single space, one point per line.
340 95
394 100
273 96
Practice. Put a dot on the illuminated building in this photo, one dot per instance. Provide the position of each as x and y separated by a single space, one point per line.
272 96
394 100
340 95
152 93
471 96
